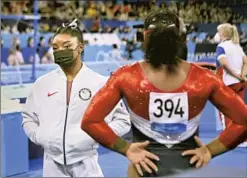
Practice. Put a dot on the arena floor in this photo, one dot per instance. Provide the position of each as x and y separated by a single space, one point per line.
232 164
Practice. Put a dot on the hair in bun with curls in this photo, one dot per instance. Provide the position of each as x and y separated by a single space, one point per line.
163 31
71 28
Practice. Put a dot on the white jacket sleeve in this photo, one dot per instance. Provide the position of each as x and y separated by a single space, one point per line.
119 119
30 122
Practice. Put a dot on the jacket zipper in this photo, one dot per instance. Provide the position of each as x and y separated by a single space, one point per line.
65 123
64 131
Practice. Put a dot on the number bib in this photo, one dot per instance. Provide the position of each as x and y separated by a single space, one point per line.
169 113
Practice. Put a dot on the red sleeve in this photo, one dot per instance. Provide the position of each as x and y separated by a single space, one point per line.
232 106
100 106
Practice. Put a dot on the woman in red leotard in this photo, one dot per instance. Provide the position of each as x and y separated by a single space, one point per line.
165 97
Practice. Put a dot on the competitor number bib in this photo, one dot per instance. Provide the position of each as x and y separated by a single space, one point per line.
169 113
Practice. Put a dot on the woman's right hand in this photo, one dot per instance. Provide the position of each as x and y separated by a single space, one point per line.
243 77
141 158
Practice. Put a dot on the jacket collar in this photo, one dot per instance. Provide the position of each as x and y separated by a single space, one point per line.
83 69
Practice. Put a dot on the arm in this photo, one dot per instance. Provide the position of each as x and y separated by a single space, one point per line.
232 106
244 68
10 60
30 121
118 120
101 105
21 59
221 56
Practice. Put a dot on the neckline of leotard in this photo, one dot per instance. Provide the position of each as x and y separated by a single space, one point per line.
180 88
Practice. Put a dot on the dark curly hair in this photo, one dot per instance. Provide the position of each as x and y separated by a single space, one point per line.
163 39
72 29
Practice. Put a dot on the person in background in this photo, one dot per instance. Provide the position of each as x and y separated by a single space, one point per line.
206 40
2 43
48 57
194 39
41 42
96 26
131 46
115 54
16 42
11 58
19 55
56 104
15 57
233 62
37 58
30 42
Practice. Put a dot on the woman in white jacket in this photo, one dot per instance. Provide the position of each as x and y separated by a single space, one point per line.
231 62
56 105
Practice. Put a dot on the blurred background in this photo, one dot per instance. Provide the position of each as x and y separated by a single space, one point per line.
111 41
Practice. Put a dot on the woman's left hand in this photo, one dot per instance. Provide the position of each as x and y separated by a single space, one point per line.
201 156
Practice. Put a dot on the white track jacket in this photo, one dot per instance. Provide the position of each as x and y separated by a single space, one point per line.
49 122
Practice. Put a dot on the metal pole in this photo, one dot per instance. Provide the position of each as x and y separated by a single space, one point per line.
36 27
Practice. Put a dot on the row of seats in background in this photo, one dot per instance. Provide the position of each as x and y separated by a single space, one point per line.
90 38
96 43
91 53
106 39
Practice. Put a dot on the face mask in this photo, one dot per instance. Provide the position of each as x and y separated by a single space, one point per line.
64 58
217 38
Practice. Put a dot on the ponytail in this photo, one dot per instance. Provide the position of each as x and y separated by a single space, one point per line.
235 36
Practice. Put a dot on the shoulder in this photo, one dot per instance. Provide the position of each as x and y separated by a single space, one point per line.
208 76
94 76
204 72
127 69
223 44
46 78
123 74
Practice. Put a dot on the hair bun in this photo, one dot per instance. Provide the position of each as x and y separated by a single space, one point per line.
72 24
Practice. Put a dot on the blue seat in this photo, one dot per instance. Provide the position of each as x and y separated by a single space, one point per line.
4 55
23 40
27 53
7 40
42 51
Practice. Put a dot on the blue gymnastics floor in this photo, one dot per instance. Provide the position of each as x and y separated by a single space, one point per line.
231 164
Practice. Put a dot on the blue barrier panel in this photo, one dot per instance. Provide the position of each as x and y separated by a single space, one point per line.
10 75
14 145
204 53
4 55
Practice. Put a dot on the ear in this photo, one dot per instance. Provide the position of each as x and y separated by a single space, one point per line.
81 47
